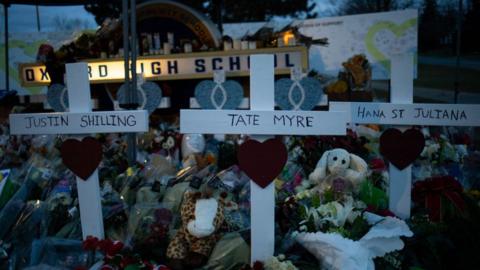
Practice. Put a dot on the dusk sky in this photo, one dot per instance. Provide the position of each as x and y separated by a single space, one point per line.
22 18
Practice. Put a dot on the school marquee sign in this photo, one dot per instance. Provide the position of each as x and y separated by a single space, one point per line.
177 66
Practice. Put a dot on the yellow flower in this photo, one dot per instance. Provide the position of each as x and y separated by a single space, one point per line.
278 183
474 193
129 171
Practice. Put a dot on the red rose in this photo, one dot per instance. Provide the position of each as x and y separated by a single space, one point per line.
109 247
258 265
90 243
126 261
377 164
380 212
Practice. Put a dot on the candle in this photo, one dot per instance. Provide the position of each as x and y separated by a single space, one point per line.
227 45
244 44
252 45
291 41
156 39
167 47
187 47
237 44
103 55
170 38
150 40
280 42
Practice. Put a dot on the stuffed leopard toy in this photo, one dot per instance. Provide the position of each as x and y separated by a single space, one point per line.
202 216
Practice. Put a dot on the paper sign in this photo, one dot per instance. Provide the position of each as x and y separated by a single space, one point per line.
262 122
23 48
410 114
79 123
377 35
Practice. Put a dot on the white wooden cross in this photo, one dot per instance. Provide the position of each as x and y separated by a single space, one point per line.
81 120
262 119
402 111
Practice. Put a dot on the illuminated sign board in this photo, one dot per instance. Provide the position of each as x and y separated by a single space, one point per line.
177 66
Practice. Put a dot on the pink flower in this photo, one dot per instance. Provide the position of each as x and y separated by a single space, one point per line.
297 180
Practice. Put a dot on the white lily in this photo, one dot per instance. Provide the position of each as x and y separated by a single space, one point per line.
312 212
338 213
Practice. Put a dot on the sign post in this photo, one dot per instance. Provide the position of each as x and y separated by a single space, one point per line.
262 119
81 120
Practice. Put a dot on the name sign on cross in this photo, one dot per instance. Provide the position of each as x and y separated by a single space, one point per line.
410 114
261 122
81 120
79 123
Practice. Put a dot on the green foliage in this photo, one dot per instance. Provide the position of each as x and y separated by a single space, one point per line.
372 195
247 10
452 244
221 10
104 9
329 196
315 201
133 267
340 230
359 228
470 40
349 7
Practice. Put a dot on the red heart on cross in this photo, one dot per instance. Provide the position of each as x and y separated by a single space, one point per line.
262 162
81 157
401 149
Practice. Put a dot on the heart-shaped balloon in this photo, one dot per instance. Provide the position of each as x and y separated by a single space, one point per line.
304 94
81 157
211 95
401 149
57 97
149 96
262 162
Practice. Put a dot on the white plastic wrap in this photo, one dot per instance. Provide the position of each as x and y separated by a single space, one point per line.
338 253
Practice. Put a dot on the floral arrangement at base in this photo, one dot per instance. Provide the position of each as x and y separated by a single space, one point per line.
331 202
117 256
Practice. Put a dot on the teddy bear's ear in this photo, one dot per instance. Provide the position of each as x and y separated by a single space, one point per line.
358 164
321 169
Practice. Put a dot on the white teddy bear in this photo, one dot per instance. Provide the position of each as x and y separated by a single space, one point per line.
339 163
